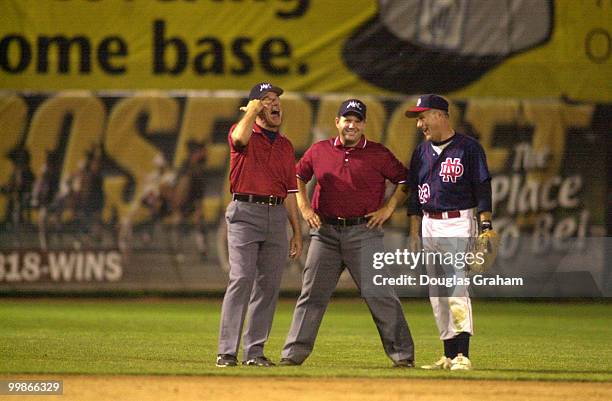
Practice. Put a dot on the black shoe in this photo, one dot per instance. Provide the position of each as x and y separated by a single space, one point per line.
288 362
403 363
260 361
225 360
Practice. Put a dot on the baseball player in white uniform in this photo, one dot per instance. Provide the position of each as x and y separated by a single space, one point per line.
451 188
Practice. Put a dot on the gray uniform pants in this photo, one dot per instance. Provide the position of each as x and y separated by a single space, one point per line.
258 250
331 249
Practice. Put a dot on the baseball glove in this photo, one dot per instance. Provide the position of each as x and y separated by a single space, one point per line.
485 251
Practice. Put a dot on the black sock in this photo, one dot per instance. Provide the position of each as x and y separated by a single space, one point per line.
450 348
462 343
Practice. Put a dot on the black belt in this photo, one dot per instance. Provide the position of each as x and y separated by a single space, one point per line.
260 199
345 222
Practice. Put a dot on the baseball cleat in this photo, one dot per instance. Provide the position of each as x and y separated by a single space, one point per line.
461 363
443 363
260 361
288 362
403 363
225 360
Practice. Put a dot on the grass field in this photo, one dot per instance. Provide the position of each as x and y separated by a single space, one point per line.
514 340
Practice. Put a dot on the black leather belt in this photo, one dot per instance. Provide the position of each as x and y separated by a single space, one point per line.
345 222
260 199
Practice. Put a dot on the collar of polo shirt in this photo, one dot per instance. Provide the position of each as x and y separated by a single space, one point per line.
361 144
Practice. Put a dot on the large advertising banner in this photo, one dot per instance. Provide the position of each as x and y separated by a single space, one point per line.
464 48
127 191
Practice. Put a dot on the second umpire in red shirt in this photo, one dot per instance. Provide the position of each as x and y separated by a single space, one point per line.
346 219
262 178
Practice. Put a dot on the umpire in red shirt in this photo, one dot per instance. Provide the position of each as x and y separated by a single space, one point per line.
262 179
346 219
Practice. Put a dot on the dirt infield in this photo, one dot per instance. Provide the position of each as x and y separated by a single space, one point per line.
183 388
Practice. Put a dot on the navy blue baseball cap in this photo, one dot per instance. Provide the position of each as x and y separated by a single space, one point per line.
427 102
258 91
354 106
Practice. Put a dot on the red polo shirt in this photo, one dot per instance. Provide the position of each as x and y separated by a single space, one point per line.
350 181
262 167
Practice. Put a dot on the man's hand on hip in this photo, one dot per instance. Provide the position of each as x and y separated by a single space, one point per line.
378 218
313 219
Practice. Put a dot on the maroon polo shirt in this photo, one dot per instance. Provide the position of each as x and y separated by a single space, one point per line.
262 167
350 181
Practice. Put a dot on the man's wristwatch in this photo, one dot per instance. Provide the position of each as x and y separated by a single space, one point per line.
485 226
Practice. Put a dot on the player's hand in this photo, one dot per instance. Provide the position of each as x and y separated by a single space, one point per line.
295 246
313 219
414 243
378 218
255 105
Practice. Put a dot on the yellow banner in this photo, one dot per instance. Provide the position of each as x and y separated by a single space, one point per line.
525 48
128 190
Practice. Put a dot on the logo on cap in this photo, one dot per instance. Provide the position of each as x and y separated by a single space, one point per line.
353 104
261 88
427 102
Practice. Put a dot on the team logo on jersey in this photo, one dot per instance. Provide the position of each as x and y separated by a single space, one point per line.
451 169
424 193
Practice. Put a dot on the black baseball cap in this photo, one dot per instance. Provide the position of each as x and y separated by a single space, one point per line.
427 102
260 89
354 106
